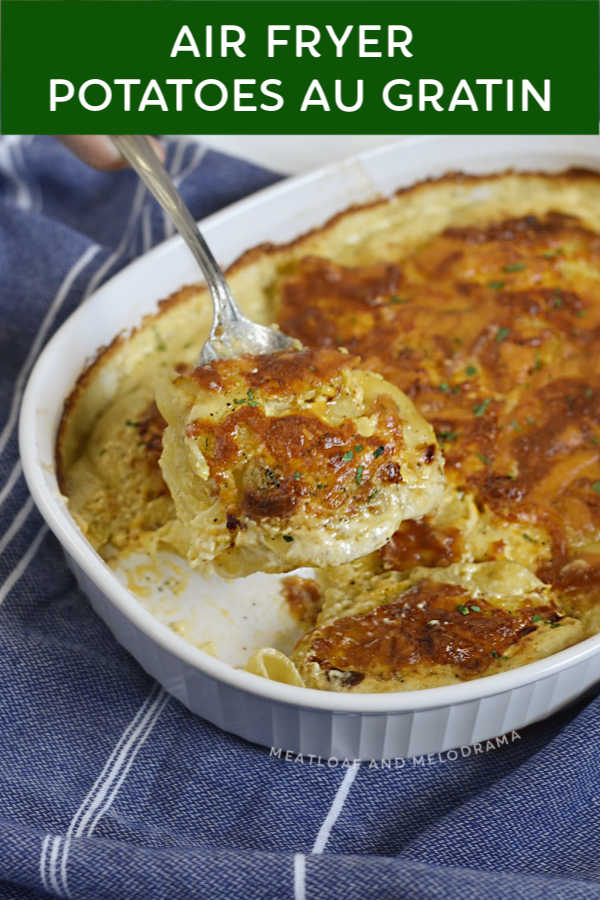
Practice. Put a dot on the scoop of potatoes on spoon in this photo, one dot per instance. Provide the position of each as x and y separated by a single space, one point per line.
277 456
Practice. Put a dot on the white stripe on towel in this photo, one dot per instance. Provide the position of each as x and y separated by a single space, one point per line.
299 876
173 171
105 771
49 885
197 158
10 481
147 227
335 809
43 853
21 567
179 177
114 773
125 770
9 150
54 307
54 885
61 294
180 148
116 255
17 523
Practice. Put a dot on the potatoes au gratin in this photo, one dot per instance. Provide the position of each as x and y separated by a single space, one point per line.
477 299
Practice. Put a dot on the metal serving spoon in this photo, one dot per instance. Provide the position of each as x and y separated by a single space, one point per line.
231 334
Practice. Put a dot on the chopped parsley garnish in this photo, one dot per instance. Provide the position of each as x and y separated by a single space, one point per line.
359 473
372 495
160 344
538 361
536 618
495 654
484 459
288 538
347 456
514 267
554 624
588 392
530 420
296 475
558 300
463 610
581 313
515 424
502 334
471 370
395 299
496 285
447 435
480 408
358 448
239 400
132 424
595 440
475 608
251 400
529 538
445 387
596 487
550 254
377 453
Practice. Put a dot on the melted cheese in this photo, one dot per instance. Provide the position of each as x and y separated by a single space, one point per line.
295 459
391 632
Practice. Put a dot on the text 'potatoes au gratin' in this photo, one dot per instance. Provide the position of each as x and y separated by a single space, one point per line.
440 428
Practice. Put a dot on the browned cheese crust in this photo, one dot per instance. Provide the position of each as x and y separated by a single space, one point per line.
494 332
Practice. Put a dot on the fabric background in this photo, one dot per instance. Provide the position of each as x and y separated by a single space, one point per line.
111 789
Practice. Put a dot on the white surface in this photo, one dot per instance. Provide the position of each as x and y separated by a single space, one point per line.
296 153
231 620
320 722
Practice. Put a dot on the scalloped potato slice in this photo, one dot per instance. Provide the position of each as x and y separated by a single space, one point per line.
297 458
394 632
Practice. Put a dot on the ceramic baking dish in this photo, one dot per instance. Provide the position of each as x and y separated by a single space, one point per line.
365 726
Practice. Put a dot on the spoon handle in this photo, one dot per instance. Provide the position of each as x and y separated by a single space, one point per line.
138 152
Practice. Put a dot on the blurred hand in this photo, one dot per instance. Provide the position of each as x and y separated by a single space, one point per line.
98 150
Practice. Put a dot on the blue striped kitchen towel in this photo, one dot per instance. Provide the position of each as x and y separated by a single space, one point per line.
111 789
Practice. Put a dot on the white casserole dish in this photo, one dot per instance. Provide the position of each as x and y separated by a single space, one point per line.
361 726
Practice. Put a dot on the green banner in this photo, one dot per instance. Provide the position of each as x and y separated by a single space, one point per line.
191 67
